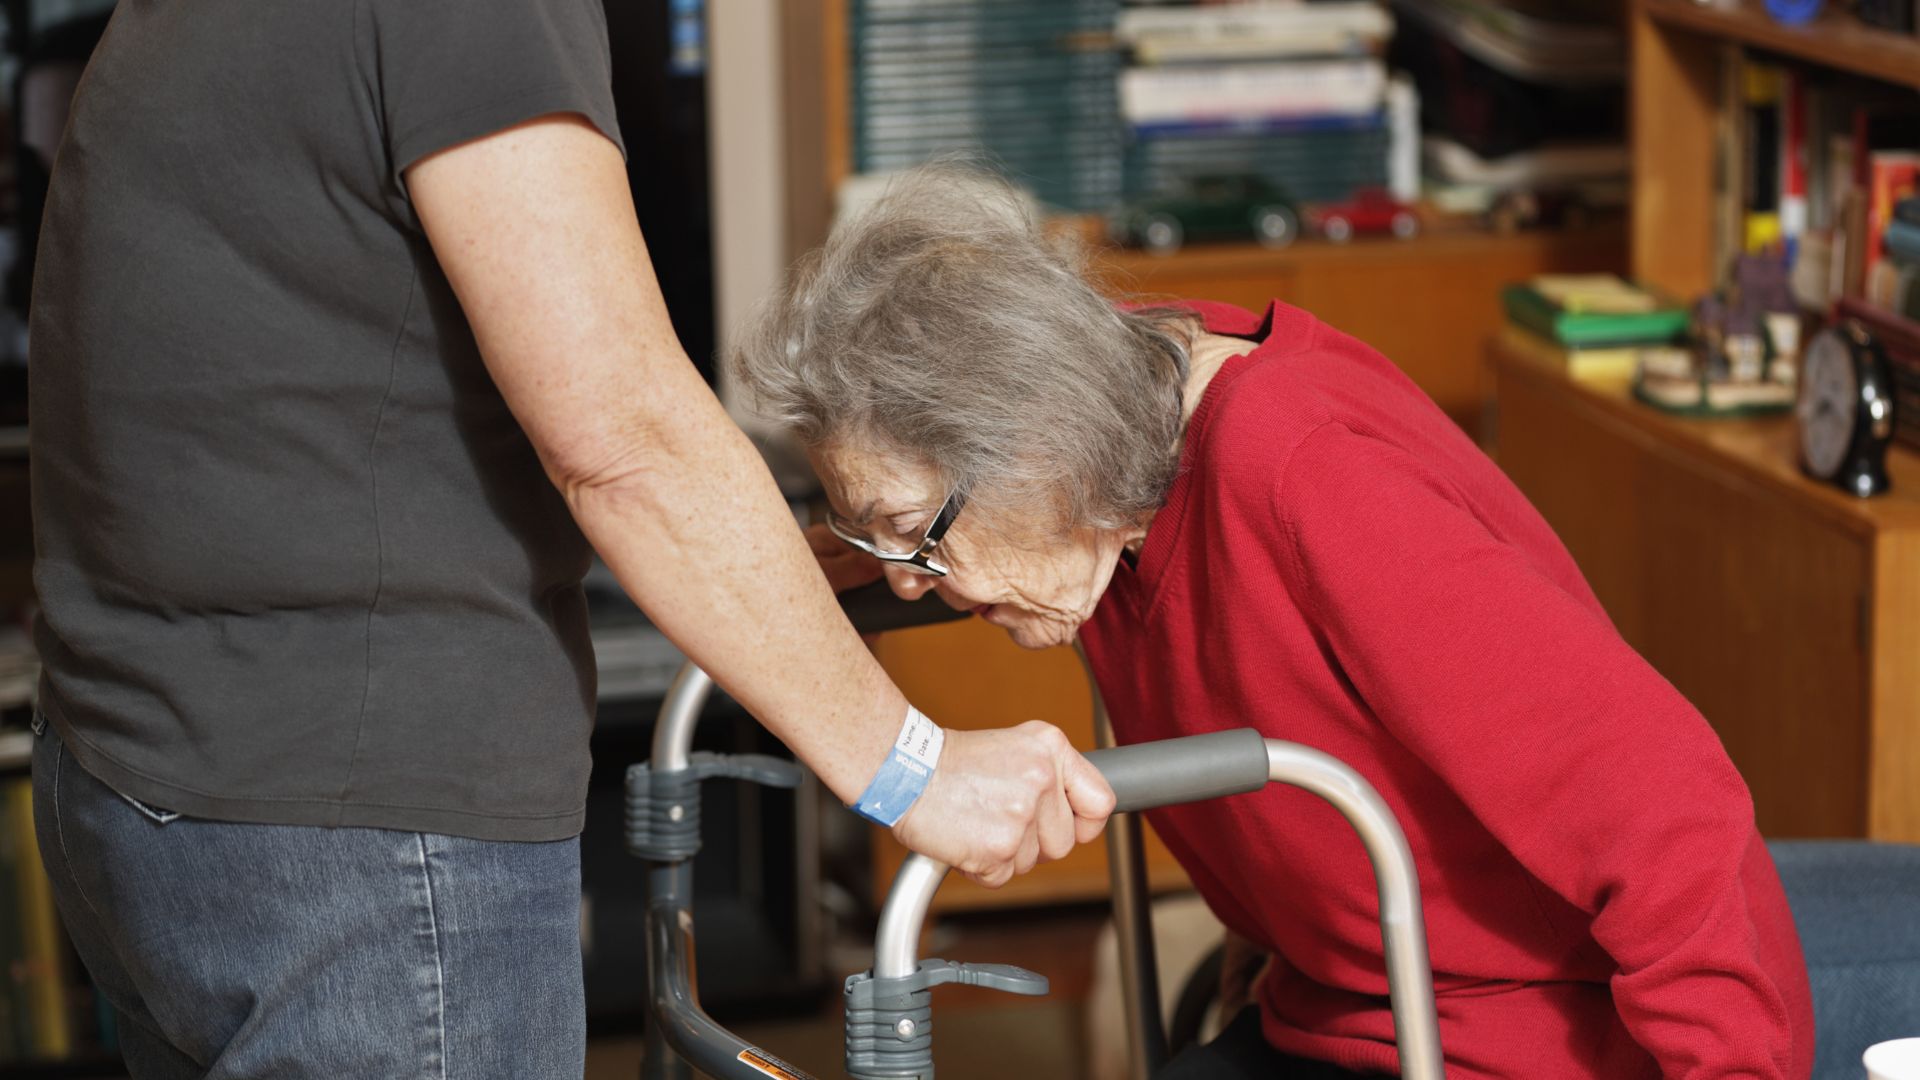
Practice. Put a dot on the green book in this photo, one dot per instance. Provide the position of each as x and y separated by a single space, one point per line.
1605 312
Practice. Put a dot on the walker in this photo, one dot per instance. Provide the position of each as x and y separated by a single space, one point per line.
889 1012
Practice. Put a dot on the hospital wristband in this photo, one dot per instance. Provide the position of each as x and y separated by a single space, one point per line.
904 775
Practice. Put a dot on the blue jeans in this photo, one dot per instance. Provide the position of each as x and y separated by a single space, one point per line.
287 951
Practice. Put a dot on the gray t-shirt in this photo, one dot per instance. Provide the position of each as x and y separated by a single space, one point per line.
297 562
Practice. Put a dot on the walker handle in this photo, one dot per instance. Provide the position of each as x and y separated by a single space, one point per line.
1191 768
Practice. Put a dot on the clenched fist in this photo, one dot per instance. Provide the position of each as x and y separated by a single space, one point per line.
1004 799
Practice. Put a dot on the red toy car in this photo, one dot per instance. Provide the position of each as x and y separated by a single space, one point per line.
1370 210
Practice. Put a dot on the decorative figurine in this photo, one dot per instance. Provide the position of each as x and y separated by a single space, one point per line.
1746 347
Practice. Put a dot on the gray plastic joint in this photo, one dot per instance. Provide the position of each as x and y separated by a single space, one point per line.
663 808
890 1021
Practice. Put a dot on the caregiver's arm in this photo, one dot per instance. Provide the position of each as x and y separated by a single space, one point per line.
536 231
1587 765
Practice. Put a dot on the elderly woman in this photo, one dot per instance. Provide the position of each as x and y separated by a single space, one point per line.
1253 519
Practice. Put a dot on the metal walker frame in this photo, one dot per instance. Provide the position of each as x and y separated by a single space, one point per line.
889 1027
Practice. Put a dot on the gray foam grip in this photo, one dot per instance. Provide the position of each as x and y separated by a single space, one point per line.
1192 768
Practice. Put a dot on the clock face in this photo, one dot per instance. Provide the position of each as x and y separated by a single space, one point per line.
1829 405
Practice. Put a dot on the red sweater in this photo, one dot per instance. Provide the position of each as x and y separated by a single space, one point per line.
1340 566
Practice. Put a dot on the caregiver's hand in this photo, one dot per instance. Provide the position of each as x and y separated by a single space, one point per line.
845 567
1002 800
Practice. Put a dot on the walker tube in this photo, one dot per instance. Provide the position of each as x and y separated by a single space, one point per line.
676 1016
709 1047
1402 927
872 609
1403 930
896 948
1132 916
679 715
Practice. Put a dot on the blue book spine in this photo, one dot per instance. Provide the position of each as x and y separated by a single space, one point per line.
1903 240
1261 125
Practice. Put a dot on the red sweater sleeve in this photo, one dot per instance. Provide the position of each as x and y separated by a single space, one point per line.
1571 750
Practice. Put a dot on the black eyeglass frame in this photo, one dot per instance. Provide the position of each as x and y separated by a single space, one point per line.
920 559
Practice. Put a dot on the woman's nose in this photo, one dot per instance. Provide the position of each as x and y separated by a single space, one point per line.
906 584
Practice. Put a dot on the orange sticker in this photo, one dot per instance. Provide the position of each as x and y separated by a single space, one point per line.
761 1061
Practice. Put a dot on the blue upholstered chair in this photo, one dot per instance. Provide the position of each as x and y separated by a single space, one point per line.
1857 907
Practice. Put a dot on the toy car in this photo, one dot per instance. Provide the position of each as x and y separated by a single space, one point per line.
1370 210
1209 208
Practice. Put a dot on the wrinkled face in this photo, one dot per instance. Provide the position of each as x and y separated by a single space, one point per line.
1024 577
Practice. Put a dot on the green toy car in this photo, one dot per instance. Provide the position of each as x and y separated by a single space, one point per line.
1234 207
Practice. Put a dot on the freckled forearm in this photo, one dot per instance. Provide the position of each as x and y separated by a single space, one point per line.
699 536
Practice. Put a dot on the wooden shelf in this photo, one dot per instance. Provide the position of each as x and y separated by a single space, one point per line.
1835 39
1439 245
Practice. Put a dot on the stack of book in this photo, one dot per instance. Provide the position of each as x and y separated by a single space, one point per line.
1595 326
1815 166
1029 88
1518 97
1296 94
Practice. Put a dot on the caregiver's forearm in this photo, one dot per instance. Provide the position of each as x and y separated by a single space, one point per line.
693 526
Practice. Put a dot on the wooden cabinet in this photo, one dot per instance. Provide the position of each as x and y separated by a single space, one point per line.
1787 611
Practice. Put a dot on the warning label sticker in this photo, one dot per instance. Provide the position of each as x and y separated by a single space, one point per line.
761 1061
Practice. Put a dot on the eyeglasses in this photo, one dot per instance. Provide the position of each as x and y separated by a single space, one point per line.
920 559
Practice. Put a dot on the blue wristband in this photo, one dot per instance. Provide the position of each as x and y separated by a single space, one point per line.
904 775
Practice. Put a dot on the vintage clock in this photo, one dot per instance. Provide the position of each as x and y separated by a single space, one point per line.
1845 409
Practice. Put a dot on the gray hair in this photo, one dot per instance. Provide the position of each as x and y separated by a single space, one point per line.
943 324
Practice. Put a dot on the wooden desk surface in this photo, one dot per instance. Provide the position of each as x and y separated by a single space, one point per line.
1763 450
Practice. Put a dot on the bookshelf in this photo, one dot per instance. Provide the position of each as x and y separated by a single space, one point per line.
1833 40
1673 114
1426 303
